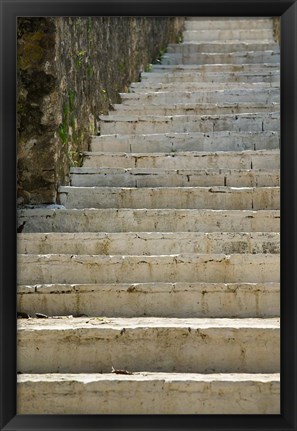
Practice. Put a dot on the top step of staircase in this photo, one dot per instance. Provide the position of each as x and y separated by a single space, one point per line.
228 34
228 23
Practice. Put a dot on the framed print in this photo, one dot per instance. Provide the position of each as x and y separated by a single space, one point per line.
140 241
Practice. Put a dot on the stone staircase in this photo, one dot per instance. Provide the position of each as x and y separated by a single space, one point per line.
159 273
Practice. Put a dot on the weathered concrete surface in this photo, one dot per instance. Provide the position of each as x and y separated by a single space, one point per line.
148 344
217 197
141 177
244 35
194 141
268 95
248 67
140 87
148 243
155 220
215 76
195 47
262 159
152 299
135 124
213 268
195 109
149 393
70 69
254 57
228 23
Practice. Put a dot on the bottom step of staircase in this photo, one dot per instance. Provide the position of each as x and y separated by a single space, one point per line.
149 393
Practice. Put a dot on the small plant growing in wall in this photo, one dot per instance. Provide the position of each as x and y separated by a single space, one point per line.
80 56
74 156
160 55
148 67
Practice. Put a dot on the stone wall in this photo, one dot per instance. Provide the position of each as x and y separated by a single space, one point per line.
70 70
276 29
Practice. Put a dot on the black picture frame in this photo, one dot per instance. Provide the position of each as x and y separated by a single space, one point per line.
287 10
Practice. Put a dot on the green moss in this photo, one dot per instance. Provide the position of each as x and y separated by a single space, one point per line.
63 133
103 95
72 120
148 68
80 55
74 156
66 110
121 67
71 98
30 51
89 24
160 55
90 71
29 55
179 39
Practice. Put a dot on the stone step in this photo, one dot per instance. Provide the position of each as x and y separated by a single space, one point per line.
222 46
217 197
146 87
189 267
194 141
267 95
206 68
148 243
254 57
149 393
137 124
262 159
226 23
183 76
238 35
146 220
195 108
133 177
191 345
152 299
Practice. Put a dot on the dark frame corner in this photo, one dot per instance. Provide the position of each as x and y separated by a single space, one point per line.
287 10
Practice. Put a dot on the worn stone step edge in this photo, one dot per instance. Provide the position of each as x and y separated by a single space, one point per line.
222 47
193 141
200 76
180 267
217 197
177 140
152 220
195 109
149 393
237 53
262 159
228 58
219 35
116 324
225 23
146 85
151 299
149 344
233 67
207 90
189 117
127 123
267 95
148 243
117 177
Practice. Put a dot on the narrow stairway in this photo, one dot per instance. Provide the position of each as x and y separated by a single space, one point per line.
159 274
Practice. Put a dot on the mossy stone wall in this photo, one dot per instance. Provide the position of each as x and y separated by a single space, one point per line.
71 70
